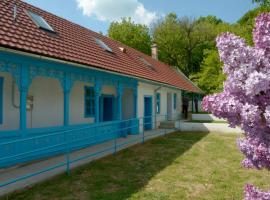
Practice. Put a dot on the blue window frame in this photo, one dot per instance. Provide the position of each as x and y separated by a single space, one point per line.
1 99
158 103
174 100
89 101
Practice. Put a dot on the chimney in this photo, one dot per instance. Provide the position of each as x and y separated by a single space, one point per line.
154 51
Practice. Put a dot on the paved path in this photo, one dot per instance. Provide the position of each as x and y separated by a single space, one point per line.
34 167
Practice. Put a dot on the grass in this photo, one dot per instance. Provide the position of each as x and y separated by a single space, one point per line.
178 166
207 121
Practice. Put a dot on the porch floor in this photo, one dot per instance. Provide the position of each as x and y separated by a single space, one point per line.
34 167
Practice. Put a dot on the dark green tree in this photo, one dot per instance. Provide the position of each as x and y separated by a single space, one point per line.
134 35
181 41
262 2
211 78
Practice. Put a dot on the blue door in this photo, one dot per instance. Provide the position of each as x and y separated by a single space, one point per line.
147 113
107 109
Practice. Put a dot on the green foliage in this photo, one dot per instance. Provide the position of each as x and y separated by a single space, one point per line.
131 34
262 2
211 78
188 44
247 21
181 41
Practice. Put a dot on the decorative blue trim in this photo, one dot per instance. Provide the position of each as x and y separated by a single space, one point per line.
23 87
174 100
1 99
91 98
158 103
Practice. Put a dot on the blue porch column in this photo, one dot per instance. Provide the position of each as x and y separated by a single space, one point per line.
67 85
123 125
97 88
119 100
135 100
23 83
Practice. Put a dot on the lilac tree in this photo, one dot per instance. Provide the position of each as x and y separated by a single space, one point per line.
245 101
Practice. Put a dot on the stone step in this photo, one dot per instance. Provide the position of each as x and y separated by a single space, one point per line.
167 125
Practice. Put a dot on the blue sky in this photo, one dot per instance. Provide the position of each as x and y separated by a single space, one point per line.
97 14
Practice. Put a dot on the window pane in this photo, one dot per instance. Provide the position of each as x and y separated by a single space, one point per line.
40 21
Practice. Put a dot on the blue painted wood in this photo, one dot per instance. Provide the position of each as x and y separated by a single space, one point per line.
66 90
23 87
1 99
48 144
147 112
98 88
44 142
89 102
135 101
77 72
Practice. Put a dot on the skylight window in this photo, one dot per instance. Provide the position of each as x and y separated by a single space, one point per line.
103 45
147 63
40 21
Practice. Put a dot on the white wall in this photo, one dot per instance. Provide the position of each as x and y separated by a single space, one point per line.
49 109
77 104
48 103
145 89
11 115
128 104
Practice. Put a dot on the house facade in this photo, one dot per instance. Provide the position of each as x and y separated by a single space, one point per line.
58 80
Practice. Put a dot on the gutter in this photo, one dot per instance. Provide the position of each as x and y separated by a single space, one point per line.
84 66
155 92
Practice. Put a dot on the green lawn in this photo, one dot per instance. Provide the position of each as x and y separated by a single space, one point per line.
178 166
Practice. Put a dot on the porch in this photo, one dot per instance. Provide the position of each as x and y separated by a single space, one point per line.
31 173
40 100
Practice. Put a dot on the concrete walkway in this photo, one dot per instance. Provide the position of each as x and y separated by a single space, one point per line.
34 167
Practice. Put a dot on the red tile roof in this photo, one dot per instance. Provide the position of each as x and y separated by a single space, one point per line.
76 44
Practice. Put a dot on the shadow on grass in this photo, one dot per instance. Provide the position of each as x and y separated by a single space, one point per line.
116 176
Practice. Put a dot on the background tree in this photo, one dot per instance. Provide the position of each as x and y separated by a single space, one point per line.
210 79
262 2
181 41
131 34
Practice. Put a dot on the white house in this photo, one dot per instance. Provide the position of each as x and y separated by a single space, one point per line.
58 80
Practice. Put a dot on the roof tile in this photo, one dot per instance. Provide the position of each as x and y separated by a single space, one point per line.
76 44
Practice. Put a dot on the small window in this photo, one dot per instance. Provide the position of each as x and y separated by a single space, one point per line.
89 97
147 63
103 45
1 99
158 103
40 21
174 100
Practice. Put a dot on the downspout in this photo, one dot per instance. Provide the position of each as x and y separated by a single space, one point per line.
155 93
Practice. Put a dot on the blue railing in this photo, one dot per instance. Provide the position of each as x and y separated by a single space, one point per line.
67 141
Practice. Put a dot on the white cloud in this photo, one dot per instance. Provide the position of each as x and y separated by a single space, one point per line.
114 10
